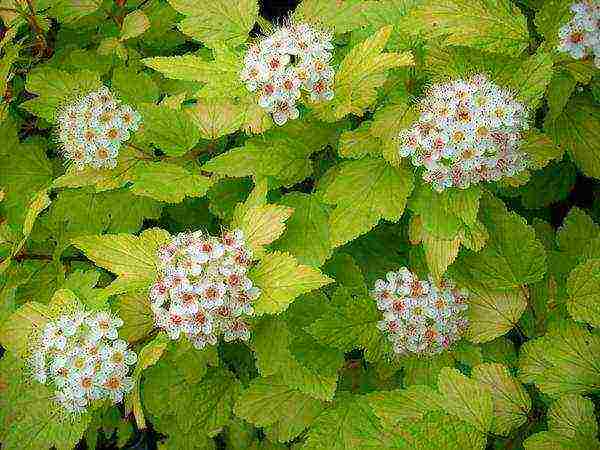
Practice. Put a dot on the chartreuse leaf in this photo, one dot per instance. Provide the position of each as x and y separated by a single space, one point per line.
583 288
576 130
340 16
349 424
440 253
467 399
307 230
571 425
217 22
131 258
171 130
563 361
361 72
68 11
351 323
133 87
551 17
560 89
493 25
364 192
30 419
149 355
134 24
261 223
138 319
511 402
55 87
512 257
281 279
405 405
269 402
16 331
168 182
277 354
180 384
216 117
493 313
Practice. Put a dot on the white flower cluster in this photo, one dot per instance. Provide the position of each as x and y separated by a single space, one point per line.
468 132
91 130
418 316
278 66
580 37
81 355
203 291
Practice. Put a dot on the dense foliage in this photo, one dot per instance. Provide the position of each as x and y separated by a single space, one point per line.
369 224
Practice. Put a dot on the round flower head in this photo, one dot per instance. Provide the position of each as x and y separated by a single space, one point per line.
420 317
279 66
80 355
92 129
202 290
580 37
469 131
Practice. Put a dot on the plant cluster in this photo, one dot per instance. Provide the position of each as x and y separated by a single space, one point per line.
362 225
203 290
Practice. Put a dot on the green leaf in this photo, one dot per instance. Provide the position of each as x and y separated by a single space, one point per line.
361 72
286 163
511 402
583 288
466 399
68 11
134 24
217 22
562 361
440 253
494 25
350 424
512 257
551 17
351 323
493 313
172 390
133 87
281 279
55 88
11 54
184 67
560 89
579 236
572 425
307 230
403 406
576 130
25 170
131 258
168 182
270 403
30 419
149 355
365 191
171 130
280 353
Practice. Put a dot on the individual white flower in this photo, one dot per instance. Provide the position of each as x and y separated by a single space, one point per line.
91 130
202 290
77 353
292 58
420 317
469 131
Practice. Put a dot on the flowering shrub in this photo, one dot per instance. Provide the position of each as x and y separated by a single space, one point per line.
349 225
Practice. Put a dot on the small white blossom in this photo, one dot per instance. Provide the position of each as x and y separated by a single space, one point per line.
580 37
91 130
468 132
279 66
202 290
418 316
81 356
